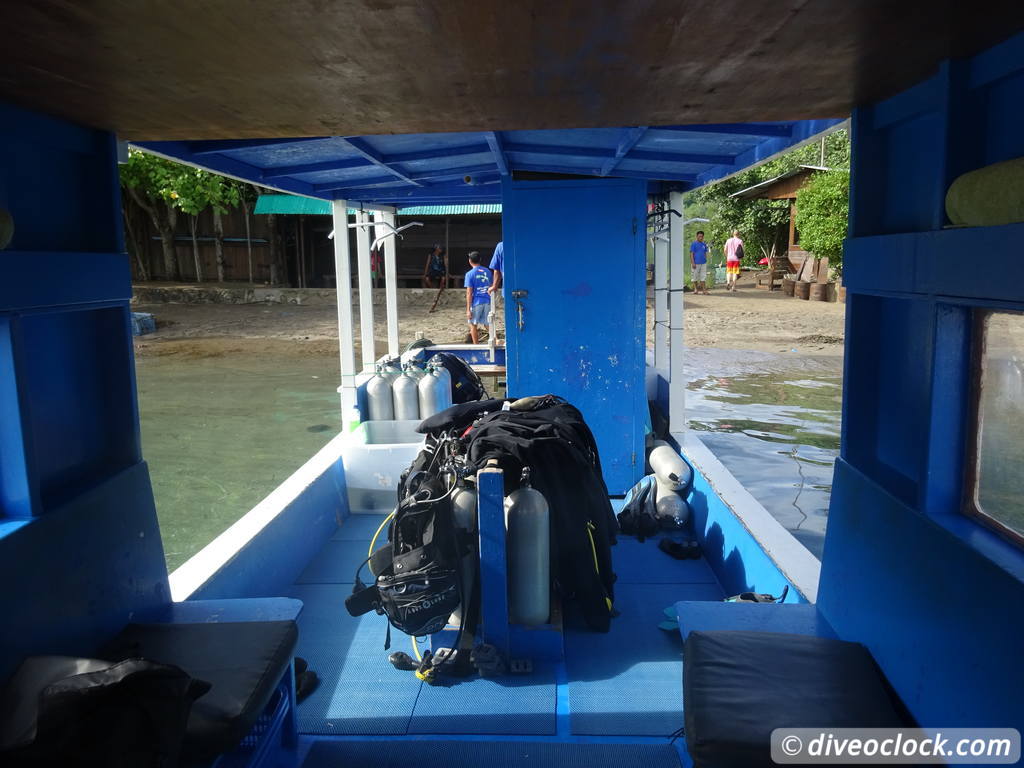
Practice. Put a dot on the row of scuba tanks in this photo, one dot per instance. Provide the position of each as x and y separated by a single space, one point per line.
414 391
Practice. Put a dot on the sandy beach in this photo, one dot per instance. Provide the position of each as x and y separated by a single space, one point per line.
749 319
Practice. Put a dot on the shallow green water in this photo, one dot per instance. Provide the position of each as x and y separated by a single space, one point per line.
220 433
778 433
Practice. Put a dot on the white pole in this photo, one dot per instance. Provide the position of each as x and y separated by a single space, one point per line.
390 283
661 255
677 382
363 235
343 285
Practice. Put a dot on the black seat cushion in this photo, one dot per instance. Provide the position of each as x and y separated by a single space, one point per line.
243 662
740 686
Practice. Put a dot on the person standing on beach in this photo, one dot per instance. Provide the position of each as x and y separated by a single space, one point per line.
733 254
478 296
699 264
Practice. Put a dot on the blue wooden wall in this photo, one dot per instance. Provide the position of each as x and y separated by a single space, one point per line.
938 598
79 544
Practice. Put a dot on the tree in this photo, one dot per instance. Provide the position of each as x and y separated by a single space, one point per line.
151 182
247 196
821 214
762 223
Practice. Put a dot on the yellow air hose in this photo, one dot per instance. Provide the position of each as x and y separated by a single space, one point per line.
373 541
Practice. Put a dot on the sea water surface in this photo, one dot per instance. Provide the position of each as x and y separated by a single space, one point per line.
777 431
221 432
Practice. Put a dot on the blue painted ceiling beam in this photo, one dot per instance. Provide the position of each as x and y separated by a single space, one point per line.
679 157
226 145
380 193
630 136
363 147
738 129
372 181
478 193
327 165
625 174
439 152
558 149
179 151
422 176
362 162
609 155
494 141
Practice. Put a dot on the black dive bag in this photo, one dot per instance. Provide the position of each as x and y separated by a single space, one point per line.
416 573
466 384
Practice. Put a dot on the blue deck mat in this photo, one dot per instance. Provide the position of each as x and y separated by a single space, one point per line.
643 563
359 528
336 563
628 682
510 705
359 692
496 754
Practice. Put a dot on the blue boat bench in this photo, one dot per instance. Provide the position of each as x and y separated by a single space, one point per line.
749 668
245 649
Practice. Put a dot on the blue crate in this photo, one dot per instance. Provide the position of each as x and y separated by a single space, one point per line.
142 323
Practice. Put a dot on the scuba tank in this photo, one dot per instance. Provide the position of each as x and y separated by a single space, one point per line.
444 374
391 367
379 397
435 391
464 510
669 467
406 396
528 543
671 509
414 368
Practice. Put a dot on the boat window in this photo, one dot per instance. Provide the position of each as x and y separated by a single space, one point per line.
996 468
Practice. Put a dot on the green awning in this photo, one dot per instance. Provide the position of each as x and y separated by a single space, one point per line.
295 204
292 204
449 210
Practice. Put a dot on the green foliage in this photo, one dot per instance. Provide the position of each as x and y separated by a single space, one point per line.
761 223
152 177
821 214
188 189
198 190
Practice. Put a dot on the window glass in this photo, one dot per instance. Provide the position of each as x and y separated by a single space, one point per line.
999 448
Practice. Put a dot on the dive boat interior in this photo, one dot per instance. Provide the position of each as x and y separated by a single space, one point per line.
589 129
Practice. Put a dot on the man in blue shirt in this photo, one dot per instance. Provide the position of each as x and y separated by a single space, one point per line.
478 295
498 268
699 264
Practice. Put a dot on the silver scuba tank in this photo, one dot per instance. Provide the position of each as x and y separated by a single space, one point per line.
464 507
406 397
435 391
528 543
443 372
669 505
464 510
414 368
391 367
379 397
669 467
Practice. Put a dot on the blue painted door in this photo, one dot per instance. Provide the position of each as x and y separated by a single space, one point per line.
575 250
